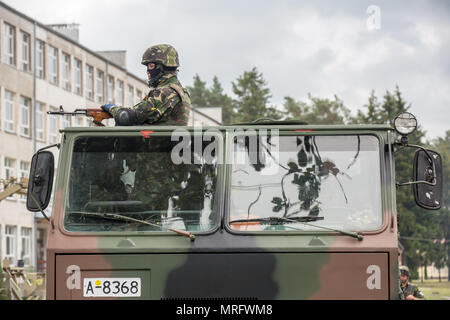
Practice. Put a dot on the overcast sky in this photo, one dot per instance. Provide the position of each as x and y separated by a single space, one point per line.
318 47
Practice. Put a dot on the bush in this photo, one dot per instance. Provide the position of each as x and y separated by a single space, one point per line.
414 274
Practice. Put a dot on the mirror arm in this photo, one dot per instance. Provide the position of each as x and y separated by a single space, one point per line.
430 159
415 147
37 203
415 182
50 146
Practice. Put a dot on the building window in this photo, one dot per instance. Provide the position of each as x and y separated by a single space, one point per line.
25 254
89 82
24 127
65 121
53 65
99 86
40 121
138 96
78 77
110 89
24 167
119 93
66 71
8 168
25 52
9 46
8 111
40 59
9 172
10 243
23 173
52 127
130 91
79 121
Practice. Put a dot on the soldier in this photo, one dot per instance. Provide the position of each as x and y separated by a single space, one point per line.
167 102
410 291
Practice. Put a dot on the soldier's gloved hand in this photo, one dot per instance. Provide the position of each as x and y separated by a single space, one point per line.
107 107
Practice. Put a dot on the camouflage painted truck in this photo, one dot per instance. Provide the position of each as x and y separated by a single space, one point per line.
266 210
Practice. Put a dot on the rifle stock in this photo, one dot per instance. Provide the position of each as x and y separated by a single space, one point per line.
97 114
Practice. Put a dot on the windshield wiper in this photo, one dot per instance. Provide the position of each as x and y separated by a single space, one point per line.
120 217
279 219
300 220
347 233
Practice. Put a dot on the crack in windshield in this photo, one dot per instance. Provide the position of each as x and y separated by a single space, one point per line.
130 174
303 168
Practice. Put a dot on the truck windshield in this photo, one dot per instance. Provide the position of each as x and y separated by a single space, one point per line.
137 177
328 181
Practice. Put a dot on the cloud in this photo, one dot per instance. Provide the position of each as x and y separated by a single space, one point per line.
302 47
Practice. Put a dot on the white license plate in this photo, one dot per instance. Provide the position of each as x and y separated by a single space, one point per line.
112 287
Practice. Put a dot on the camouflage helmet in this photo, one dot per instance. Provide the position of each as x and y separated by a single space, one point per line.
404 270
161 53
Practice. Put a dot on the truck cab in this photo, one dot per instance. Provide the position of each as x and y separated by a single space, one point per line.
269 210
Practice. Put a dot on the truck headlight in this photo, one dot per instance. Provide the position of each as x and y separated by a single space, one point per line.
405 123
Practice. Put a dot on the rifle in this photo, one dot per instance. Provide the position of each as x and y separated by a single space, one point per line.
98 114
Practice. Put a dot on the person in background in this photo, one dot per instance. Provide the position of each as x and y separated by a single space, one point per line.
410 291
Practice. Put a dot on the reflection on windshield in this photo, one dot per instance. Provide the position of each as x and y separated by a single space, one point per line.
334 177
136 177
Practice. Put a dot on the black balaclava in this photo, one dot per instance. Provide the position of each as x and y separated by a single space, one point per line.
155 75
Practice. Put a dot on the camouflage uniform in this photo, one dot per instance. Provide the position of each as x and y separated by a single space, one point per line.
167 102
410 289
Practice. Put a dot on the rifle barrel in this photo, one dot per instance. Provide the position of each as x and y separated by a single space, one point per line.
76 112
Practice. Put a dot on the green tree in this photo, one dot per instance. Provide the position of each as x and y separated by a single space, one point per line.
199 93
374 112
378 113
442 145
252 98
417 227
217 98
318 111
204 97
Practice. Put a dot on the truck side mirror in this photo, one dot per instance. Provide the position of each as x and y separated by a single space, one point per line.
40 183
428 170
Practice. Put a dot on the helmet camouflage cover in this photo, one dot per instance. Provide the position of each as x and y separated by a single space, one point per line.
404 270
161 53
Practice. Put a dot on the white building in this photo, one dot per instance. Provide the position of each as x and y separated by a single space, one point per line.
41 68
205 117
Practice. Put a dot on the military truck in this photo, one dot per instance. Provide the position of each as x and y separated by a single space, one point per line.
264 210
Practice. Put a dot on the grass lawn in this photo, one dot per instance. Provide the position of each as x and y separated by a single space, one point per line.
433 289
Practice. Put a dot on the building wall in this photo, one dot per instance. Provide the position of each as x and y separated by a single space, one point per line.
433 272
205 117
16 148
